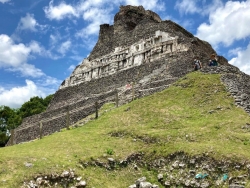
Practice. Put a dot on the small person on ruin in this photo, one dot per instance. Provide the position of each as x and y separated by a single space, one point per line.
197 64
213 60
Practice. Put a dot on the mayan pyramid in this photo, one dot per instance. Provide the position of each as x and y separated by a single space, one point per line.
136 56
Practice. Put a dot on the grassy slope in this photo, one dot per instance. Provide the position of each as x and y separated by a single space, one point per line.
194 115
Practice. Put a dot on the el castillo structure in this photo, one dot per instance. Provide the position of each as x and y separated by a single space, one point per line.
139 55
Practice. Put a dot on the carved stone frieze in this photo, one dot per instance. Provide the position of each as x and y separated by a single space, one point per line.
144 51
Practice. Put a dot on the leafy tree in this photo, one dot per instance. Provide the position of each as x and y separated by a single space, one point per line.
34 106
3 138
12 118
6 114
14 121
47 100
3 131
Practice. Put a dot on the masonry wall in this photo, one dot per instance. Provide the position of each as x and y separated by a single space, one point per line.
146 29
237 83
80 99
30 128
131 25
175 64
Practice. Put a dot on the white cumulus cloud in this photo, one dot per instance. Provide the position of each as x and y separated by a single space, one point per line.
27 23
199 7
13 57
187 6
36 48
12 54
64 47
242 60
60 12
88 4
227 24
94 12
16 96
96 17
4 1
27 70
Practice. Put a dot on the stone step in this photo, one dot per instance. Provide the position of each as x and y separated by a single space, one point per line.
159 83
91 102
126 96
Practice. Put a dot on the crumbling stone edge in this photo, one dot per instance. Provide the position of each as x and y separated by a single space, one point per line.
176 169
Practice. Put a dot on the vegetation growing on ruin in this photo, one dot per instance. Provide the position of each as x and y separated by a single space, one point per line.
11 118
195 115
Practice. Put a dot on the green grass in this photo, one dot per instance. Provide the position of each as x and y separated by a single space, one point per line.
195 115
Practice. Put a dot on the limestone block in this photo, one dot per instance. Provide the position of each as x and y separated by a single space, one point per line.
138 59
95 73
156 50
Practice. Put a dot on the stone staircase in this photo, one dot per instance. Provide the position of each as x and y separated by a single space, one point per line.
55 120
135 91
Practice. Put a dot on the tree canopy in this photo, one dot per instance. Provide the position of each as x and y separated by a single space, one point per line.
12 118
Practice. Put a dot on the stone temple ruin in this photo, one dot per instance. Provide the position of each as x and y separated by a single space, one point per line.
125 57
139 50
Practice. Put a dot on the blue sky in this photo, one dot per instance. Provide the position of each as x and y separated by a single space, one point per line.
42 41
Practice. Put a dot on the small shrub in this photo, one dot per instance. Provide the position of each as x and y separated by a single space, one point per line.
217 127
110 151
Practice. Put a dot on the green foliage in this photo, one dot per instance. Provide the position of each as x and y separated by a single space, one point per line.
3 138
47 100
33 106
12 118
110 151
6 116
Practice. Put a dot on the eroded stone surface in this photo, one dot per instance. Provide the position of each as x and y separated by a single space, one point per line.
125 57
137 56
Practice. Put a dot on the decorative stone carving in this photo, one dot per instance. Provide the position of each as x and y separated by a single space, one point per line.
144 51
139 48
